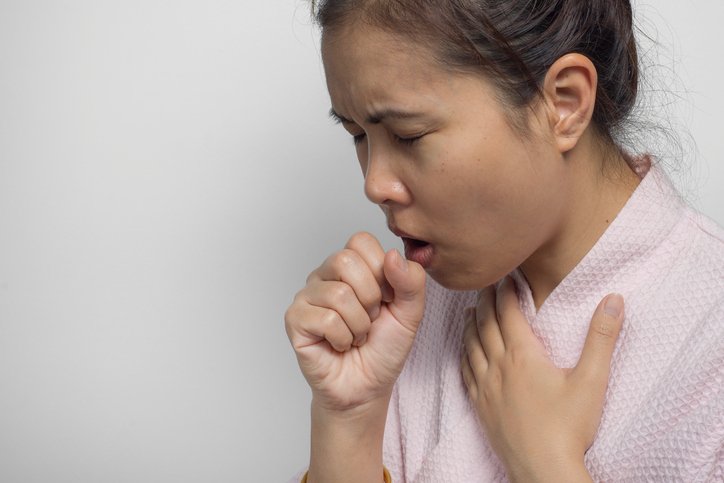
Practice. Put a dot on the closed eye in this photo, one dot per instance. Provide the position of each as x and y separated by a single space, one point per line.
359 138
409 141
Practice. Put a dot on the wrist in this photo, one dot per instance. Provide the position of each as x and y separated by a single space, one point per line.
347 444
369 411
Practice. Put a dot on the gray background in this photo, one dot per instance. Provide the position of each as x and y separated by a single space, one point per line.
168 177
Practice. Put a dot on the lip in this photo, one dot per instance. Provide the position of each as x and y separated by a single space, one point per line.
400 233
421 254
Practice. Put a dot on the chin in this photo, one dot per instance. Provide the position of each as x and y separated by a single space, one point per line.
462 280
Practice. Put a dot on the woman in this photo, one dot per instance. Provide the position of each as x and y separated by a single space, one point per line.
487 134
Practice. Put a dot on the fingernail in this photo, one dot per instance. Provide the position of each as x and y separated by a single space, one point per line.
614 305
401 262
362 340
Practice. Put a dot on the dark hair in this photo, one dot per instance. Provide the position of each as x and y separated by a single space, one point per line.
514 42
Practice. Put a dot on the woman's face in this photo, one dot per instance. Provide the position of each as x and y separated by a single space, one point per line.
441 159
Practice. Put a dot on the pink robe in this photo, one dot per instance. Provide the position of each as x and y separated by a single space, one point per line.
663 418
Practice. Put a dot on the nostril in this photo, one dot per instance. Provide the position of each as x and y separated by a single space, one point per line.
377 190
383 186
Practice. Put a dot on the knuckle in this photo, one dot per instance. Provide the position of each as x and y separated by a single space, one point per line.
371 303
518 357
330 319
311 278
487 394
490 391
342 260
340 293
467 379
291 315
342 342
361 238
371 293
298 297
466 348
289 318
603 328
494 380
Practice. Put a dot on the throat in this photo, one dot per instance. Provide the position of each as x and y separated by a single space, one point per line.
583 226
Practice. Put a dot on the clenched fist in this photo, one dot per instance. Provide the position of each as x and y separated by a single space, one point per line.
353 324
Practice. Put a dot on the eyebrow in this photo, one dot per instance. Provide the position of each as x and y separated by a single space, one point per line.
377 117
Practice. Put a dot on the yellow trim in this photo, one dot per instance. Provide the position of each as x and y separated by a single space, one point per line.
385 475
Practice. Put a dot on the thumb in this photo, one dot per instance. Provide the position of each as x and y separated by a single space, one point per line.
407 280
595 362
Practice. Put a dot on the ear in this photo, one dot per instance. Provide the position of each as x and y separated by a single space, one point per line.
569 90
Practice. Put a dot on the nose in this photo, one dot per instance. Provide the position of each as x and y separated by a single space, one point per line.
383 186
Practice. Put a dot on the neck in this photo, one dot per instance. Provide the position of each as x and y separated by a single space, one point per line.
599 186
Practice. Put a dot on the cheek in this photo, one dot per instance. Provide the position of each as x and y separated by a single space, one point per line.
496 205
472 190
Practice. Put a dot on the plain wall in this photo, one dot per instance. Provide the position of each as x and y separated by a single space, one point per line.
168 177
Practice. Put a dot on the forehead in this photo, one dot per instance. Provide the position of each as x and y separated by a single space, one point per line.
361 42
368 65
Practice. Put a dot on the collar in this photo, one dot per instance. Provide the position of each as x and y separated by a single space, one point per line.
645 221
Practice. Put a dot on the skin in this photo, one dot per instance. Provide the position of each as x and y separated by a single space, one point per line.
539 419
486 198
441 159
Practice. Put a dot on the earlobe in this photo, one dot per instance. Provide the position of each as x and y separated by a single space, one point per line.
570 92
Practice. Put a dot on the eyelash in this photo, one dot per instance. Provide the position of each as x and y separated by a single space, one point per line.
404 141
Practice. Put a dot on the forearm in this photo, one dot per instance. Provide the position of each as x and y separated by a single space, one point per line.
347 446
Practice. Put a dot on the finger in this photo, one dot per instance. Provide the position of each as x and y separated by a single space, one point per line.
407 280
341 298
468 377
369 248
316 324
594 364
514 326
349 267
471 342
487 323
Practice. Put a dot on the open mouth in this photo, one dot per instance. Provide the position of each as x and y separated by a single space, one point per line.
414 242
418 251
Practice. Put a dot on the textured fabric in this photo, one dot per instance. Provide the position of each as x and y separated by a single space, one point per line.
663 418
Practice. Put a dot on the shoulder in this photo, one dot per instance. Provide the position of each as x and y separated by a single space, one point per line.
710 234
694 253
